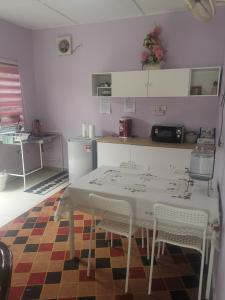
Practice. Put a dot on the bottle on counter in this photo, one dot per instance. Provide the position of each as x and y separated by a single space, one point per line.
91 131
84 130
36 127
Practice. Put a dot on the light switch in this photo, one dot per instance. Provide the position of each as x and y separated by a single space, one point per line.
159 110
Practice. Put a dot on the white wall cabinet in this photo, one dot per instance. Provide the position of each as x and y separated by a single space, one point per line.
130 84
158 83
169 83
158 159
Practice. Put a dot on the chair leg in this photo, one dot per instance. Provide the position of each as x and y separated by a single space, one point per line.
152 261
106 235
201 272
148 254
142 238
71 234
128 264
207 252
90 244
163 248
111 239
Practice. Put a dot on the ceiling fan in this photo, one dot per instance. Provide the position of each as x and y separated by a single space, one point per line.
203 10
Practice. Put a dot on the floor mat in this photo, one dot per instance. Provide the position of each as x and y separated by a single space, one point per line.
42 268
49 184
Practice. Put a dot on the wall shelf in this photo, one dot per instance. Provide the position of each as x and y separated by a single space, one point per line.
182 82
205 81
101 84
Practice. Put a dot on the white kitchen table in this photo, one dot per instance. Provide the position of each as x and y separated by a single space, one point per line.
142 189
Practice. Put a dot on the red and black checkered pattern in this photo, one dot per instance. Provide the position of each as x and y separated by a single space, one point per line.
42 268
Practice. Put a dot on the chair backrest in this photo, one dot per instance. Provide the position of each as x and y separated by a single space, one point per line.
189 217
110 205
5 271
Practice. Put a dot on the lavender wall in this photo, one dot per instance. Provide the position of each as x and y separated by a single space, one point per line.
63 83
16 44
220 177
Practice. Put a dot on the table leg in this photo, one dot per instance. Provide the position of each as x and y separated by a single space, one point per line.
71 234
23 166
210 269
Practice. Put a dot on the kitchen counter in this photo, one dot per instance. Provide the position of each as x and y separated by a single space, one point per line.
143 142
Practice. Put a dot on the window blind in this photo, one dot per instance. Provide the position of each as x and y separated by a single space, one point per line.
11 105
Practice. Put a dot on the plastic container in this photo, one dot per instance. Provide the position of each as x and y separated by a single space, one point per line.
3 180
91 131
202 164
190 137
84 130
125 126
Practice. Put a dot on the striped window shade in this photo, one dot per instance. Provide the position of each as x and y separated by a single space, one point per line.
11 105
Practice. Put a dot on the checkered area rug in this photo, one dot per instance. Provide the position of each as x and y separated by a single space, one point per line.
42 268
49 184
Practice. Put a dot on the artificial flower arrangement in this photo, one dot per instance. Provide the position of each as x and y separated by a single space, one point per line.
155 53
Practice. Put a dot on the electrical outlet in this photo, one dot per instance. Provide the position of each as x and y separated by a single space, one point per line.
159 110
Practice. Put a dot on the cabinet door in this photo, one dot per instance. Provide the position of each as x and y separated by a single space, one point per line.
129 84
112 154
169 83
159 159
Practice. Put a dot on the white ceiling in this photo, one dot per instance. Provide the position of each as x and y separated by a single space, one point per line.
41 14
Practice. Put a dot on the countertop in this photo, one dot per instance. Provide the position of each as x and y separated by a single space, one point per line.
14 138
143 142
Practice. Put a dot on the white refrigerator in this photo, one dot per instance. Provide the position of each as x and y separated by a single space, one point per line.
82 155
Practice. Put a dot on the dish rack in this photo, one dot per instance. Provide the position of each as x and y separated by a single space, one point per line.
15 138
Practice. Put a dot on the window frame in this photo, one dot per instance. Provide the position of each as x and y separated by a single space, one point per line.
13 129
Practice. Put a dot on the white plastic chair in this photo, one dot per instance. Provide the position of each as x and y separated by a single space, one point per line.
117 217
181 227
132 165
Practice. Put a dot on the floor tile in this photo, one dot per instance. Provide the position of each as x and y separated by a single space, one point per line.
56 266
83 275
31 248
119 273
70 276
21 240
50 291
16 292
158 284
45 247
68 290
20 279
114 252
23 268
103 263
43 269
86 289
190 281
32 292
84 253
137 272
53 277
58 255
72 264
174 283
179 295
36 278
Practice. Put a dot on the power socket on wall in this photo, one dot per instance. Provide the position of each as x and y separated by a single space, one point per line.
159 110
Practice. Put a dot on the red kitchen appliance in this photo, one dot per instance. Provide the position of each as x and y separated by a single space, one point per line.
125 126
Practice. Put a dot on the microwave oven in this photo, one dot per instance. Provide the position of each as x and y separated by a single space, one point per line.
168 133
